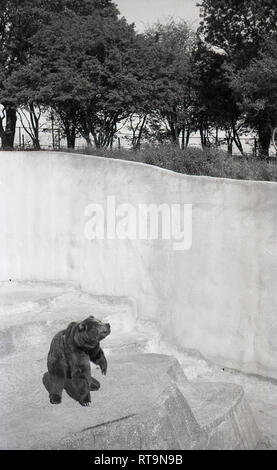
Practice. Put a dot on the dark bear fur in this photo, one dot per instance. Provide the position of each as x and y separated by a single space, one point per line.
69 357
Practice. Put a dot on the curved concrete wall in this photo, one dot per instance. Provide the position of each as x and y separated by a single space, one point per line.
219 297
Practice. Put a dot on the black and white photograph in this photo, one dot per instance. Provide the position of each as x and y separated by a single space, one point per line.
138 228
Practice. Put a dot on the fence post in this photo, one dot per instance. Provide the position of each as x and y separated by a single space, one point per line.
53 133
255 147
19 137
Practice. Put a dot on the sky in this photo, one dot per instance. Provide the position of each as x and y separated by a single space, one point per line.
146 12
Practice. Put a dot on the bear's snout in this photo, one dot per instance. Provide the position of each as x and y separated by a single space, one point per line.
105 330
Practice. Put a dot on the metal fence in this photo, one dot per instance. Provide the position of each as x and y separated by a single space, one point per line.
53 138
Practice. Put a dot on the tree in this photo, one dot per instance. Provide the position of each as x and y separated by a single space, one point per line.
19 21
172 76
24 25
216 108
82 67
239 28
103 8
140 63
30 121
256 90
14 45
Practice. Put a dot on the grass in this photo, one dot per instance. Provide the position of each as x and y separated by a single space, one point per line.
195 161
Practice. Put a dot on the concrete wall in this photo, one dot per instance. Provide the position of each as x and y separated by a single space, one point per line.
219 297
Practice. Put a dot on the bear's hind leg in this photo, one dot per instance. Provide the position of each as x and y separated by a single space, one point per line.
81 384
75 394
54 384
47 380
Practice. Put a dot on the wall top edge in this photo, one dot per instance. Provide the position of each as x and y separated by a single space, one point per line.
124 162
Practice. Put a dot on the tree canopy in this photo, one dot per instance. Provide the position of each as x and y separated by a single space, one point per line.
80 63
238 30
238 27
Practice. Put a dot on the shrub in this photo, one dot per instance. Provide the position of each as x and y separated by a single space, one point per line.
195 161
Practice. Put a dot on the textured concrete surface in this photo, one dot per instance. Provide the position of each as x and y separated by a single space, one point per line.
261 394
219 297
145 402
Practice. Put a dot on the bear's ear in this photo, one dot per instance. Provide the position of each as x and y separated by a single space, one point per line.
69 328
81 327
91 316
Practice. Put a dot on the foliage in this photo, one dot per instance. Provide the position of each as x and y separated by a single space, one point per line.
238 29
256 90
53 53
195 161
19 20
216 101
172 75
82 67
88 69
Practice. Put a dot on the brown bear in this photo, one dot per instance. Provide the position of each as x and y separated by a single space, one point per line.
69 357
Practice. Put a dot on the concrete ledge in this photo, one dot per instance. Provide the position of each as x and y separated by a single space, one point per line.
223 414
145 402
184 415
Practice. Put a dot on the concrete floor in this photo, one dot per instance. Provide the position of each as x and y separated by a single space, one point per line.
29 312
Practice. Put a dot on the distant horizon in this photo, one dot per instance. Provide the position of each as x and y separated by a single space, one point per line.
148 12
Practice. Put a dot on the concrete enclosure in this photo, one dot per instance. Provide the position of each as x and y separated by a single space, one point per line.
219 297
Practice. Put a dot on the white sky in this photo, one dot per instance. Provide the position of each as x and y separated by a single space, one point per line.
145 12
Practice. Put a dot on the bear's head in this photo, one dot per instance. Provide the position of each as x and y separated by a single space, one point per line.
90 332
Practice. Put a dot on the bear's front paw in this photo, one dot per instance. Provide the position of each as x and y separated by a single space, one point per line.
103 365
55 399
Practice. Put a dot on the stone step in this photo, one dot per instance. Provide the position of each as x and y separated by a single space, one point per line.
30 318
223 414
145 402
26 302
